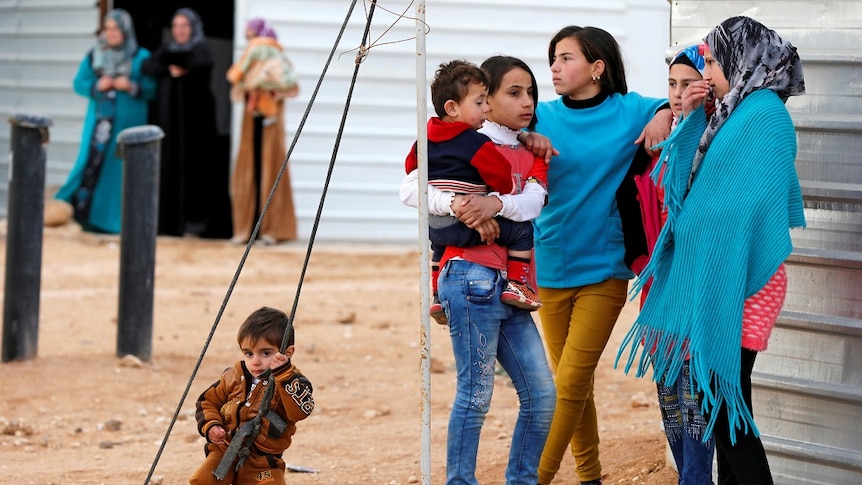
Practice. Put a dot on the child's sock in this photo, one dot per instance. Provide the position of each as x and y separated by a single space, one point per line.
435 272
518 269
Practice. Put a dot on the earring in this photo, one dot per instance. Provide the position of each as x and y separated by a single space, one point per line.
596 79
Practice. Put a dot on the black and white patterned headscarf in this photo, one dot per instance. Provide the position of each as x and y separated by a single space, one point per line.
197 28
751 57
111 60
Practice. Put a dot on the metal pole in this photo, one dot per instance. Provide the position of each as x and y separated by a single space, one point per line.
26 208
424 259
139 148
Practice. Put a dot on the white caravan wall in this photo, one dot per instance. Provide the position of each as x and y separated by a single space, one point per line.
362 202
41 45
42 42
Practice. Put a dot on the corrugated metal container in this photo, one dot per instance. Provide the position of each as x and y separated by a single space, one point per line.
41 44
808 384
39 55
363 204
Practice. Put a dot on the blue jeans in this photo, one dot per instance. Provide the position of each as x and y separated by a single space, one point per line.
684 426
485 331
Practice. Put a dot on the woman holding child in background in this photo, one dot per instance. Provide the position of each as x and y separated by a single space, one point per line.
262 141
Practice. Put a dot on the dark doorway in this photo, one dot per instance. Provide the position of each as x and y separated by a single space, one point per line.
152 22
152 27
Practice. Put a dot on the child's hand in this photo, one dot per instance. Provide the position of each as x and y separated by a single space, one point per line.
489 231
278 360
216 434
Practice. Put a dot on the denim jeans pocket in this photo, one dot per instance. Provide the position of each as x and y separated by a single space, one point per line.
481 290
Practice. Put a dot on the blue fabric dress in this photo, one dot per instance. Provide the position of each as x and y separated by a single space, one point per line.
128 111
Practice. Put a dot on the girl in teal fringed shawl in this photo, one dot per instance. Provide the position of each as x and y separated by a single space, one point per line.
732 193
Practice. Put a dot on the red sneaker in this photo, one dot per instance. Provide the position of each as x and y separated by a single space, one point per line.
520 295
437 312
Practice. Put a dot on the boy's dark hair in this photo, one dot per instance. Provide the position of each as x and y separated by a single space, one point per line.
265 323
596 44
451 81
496 67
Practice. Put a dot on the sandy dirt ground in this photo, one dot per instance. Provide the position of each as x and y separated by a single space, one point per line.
80 414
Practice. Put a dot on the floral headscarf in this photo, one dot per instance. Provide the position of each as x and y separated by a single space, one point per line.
268 32
752 57
691 56
197 28
116 60
257 25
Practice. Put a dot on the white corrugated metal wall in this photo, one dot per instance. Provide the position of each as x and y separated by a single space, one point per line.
41 43
362 203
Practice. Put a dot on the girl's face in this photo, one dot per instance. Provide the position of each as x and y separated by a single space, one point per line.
679 77
713 74
572 73
181 29
512 104
113 35
257 357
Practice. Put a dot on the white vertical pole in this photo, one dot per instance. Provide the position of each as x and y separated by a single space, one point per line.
424 259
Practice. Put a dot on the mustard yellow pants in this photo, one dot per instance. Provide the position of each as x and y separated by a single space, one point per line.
577 323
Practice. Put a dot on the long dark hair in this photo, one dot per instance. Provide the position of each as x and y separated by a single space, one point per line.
496 67
596 44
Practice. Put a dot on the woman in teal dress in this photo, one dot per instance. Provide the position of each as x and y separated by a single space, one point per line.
110 77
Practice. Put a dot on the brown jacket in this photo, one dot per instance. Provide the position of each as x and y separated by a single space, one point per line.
233 400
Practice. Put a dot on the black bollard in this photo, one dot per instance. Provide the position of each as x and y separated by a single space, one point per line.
139 149
24 236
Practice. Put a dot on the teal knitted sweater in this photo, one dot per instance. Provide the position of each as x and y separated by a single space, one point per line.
725 237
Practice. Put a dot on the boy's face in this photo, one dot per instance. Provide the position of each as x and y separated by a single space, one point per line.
472 108
679 77
258 357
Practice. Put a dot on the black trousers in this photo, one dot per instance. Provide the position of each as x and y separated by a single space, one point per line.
743 463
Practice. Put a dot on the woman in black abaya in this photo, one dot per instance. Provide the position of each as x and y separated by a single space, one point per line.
193 193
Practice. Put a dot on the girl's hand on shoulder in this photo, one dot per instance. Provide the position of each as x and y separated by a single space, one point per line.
540 145
656 131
